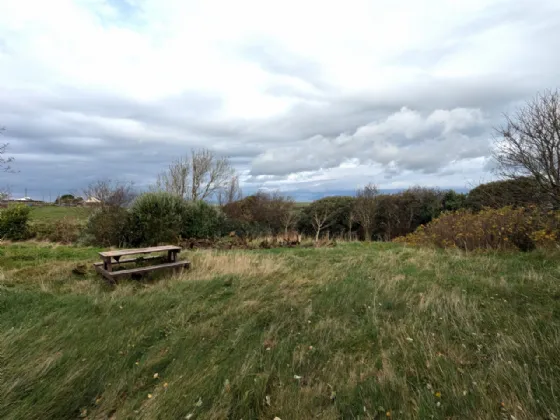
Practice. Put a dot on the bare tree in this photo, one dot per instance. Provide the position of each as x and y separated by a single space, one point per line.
365 208
351 219
110 193
288 215
5 161
320 219
199 176
5 193
5 167
176 179
209 174
529 144
230 192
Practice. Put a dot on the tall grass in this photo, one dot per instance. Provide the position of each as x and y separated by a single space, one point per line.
363 331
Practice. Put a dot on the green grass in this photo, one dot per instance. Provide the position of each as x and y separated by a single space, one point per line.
53 213
352 332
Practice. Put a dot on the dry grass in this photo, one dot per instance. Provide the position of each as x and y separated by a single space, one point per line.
208 264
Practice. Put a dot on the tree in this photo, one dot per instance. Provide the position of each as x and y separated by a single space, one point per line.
288 214
198 176
156 217
319 220
5 161
260 213
65 199
402 213
529 144
176 179
519 192
453 201
4 167
4 193
111 193
339 208
365 208
230 192
351 219
326 213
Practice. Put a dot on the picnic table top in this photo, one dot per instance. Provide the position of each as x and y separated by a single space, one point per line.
121 252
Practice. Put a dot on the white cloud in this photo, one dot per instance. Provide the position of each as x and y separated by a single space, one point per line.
296 87
403 140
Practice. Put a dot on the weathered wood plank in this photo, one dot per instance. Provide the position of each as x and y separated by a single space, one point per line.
141 270
130 260
106 275
122 252
107 264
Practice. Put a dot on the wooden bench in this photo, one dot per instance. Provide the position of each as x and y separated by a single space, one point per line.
111 258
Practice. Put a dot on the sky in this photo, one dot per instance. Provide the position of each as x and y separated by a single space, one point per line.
308 97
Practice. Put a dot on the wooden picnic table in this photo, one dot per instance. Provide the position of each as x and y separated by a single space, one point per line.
111 258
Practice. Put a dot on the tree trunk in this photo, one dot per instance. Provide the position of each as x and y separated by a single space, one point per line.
317 235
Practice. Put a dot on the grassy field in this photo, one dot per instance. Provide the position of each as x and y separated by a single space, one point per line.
360 331
53 213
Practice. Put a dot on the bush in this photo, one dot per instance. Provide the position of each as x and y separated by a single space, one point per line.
66 230
14 222
400 214
107 227
521 192
506 228
155 218
201 221
260 214
340 222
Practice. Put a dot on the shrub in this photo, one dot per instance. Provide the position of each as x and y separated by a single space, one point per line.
400 214
521 192
340 222
202 220
506 228
264 213
107 227
66 230
453 201
156 217
14 222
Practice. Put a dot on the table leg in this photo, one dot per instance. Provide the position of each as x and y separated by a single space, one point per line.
107 264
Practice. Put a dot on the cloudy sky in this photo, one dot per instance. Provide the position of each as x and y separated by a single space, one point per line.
305 96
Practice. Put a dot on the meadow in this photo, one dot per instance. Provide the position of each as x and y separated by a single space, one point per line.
358 331
54 213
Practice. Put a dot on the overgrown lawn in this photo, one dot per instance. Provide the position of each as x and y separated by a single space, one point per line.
360 331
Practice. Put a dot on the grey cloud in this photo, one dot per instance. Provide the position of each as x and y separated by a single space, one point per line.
405 140
70 138
64 137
